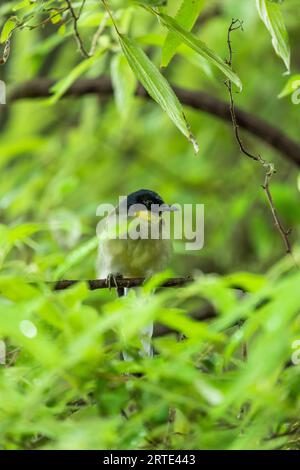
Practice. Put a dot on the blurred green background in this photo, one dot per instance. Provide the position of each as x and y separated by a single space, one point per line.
60 160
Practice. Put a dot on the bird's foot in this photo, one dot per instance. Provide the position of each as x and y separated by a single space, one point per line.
112 280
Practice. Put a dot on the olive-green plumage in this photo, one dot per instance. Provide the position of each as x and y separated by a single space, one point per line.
133 258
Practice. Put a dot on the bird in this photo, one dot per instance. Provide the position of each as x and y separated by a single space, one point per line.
125 251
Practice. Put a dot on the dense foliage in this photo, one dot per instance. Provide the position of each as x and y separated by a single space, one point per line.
228 382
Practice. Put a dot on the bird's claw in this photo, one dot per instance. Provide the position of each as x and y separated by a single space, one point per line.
112 280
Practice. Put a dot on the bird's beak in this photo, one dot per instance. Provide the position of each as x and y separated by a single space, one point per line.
167 208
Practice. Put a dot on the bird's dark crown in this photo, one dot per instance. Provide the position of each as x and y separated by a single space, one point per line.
145 197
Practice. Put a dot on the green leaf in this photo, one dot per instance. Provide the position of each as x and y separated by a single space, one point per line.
124 83
186 16
21 232
10 236
7 29
64 84
246 281
199 46
60 88
22 4
292 85
55 17
75 256
156 85
271 15
183 50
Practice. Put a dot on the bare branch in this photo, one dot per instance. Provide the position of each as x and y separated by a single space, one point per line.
46 20
269 167
276 138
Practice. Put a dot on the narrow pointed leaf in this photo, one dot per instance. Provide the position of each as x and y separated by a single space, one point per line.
156 85
186 16
271 15
7 29
124 83
292 86
199 46
60 87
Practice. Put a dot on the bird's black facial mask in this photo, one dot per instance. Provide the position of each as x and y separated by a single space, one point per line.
144 201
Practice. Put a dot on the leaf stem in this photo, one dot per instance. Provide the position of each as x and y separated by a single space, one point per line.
105 4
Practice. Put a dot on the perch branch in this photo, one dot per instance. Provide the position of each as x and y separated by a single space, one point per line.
290 149
121 282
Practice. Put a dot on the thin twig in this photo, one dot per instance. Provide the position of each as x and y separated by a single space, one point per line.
244 344
170 426
13 356
81 8
98 33
46 20
269 167
75 17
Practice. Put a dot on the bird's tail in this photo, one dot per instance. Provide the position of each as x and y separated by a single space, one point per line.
121 291
145 334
